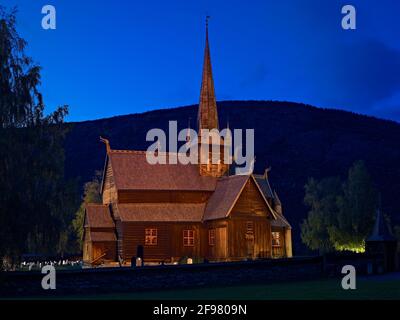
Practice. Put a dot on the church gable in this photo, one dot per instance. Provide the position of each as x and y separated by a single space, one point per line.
237 195
224 197
251 202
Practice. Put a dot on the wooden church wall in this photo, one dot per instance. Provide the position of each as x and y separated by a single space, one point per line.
249 226
179 250
218 251
87 248
278 252
169 240
251 201
254 243
120 239
148 196
109 189
134 236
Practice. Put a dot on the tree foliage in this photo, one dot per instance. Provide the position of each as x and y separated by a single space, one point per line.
91 194
321 197
357 207
35 198
341 214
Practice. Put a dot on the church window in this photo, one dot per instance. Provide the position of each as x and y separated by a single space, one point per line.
188 238
211 237
249 227
276 239
150 237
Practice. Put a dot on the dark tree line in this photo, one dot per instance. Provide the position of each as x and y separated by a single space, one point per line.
36 201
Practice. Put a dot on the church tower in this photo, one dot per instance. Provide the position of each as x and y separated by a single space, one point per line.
208 120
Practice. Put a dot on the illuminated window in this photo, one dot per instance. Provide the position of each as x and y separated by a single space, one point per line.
188 238
276 239
150 237
249 227
211 237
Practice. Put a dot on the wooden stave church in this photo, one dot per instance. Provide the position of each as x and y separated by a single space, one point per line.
174 211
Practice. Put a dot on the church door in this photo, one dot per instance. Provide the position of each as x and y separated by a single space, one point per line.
221 243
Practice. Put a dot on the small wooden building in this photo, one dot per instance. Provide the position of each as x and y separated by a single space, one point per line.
100 241
382 242
176 211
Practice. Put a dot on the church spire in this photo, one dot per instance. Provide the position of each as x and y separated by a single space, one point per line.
208 120
208 115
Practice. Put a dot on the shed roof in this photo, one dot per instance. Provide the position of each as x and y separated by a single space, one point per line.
280 221
98 216
101 236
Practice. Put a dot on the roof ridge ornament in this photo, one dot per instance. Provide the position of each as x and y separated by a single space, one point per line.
267 170
107 143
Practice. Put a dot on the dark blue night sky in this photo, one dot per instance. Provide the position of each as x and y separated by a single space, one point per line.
117 57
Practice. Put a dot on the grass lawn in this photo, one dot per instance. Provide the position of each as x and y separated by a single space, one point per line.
375 287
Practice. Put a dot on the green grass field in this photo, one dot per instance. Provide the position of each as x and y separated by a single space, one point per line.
371 288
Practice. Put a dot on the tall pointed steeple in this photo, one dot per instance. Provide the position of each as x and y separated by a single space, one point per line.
207 119
208 115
